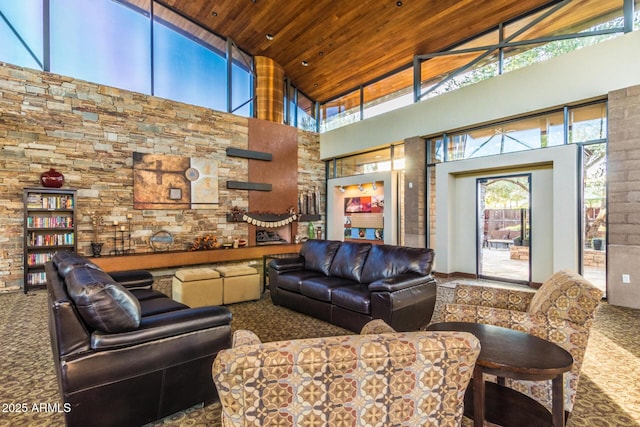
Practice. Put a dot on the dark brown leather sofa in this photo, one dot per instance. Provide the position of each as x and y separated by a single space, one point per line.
124 353
350 283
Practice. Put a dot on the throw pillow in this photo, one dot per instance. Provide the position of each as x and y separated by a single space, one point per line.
101 302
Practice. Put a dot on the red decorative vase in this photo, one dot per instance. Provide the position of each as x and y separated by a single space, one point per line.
52 178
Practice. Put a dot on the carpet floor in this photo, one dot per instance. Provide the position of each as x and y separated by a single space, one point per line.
608 393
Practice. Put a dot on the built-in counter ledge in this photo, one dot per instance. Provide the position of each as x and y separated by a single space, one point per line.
157 260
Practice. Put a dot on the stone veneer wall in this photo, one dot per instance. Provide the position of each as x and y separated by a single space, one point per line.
88 132
623 173
311 174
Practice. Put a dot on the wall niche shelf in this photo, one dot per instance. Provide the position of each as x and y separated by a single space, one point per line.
49 226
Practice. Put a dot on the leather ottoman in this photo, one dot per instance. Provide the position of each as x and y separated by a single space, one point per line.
240 283
197 287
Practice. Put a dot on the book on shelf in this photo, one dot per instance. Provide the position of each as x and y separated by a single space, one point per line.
40 258
37 278
41 201
50 222
55 239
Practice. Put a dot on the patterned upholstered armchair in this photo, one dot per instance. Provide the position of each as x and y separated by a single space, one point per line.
561 311
379 377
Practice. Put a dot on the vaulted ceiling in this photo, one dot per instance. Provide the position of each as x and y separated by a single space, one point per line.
347 43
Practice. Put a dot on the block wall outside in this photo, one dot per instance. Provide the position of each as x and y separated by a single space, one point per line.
623 172
430 198
88 132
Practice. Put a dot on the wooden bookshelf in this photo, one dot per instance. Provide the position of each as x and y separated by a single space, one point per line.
49 226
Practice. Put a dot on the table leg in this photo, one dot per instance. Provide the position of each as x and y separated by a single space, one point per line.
557 399
478 396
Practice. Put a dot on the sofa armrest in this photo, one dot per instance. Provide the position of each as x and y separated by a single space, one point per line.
401 281
376 326
133 278
287 264
164 325
244 337
486 296
405 304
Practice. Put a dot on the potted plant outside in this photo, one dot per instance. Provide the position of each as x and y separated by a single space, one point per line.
597 243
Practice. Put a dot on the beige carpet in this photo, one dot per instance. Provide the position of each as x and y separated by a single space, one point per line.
608 395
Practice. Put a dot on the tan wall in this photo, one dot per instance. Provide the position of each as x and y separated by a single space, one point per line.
623 172
414 192
89 132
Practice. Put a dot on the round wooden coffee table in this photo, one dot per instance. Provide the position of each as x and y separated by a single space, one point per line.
508 353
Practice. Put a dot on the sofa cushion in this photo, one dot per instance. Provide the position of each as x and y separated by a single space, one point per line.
355 298
386 261
143 294
291 280
155 306
66 261
349 260
320 288
102 303
318 254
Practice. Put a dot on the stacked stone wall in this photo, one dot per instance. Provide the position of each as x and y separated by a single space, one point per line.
88 132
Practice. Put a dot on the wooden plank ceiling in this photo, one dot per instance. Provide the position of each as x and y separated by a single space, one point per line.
350 43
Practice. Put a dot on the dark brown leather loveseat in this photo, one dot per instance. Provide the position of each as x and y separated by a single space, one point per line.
124 353
350 283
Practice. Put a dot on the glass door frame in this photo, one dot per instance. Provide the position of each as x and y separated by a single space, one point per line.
480 225
582 218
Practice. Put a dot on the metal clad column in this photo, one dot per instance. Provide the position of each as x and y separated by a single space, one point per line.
269 90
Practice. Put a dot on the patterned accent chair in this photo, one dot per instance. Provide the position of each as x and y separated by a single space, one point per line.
561 311
380 377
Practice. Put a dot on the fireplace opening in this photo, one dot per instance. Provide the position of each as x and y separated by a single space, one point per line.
271 237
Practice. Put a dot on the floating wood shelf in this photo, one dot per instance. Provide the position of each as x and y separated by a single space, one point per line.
249 154
239 185
272 217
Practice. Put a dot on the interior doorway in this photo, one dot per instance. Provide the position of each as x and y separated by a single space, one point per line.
504 228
